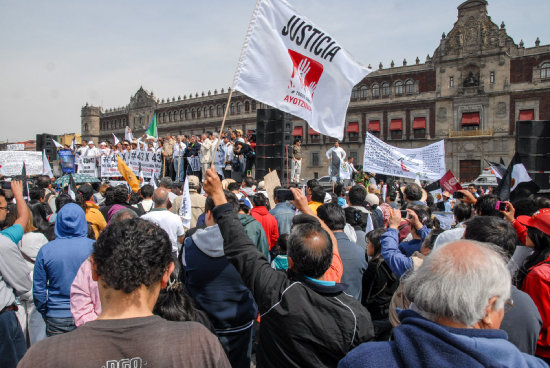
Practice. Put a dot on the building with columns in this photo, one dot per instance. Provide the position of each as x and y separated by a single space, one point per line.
470 93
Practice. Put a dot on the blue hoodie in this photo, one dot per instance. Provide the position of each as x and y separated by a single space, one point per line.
422 343
58 261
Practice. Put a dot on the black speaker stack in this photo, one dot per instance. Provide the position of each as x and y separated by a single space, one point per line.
44 142
273 136
533 147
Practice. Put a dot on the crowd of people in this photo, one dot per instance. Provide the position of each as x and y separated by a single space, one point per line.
359 275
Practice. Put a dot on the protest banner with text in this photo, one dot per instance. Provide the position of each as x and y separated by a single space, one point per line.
11 162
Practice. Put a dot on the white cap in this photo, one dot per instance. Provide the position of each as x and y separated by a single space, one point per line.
91 142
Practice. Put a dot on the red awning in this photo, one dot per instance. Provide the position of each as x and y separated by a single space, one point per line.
313 132
298 131
374 125
419 123
353 127
470 118
526 115
396 124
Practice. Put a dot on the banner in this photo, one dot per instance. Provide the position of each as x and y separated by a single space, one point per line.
427 162
16 147
12 161
151 163
66 160
449 182
291 64
87 165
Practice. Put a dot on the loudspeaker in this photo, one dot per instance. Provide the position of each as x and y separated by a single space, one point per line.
533 147
273 136
44 142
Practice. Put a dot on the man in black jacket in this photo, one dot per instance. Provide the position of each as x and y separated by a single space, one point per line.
306 321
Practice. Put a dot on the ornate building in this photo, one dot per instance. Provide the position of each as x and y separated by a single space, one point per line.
470 93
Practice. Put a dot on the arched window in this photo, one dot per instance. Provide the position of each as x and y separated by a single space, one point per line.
198 113
181 114
163 118
204 112
398 88
247 106
211 113
253 105
385 89
364 92
375 90
239 107
232 108
219 111
85 127
409 87
186 114
193 113
170 116
354 93
545 71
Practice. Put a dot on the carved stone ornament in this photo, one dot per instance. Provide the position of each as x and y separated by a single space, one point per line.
501 108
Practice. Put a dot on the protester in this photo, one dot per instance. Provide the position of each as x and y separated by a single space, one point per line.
334 167
94 217
197 200
455 320
129 288
317 197
56 265
40 221
283 211
357 220
218 288
296 164
413 195
168 221
120 197
522 322
379 284
177 149
15 280
279 253
290 307
207 145
146 203
352 255
268 221
44 181
533 275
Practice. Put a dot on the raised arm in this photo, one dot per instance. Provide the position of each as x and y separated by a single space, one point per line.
397 261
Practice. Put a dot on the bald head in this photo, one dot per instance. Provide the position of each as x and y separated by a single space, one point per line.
457 281
160 198
310 249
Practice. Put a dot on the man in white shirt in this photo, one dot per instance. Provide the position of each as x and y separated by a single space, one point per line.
168 221
228 146
334 167
92 150
206 151
177 158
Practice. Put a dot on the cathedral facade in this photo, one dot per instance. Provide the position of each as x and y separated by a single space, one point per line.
470 93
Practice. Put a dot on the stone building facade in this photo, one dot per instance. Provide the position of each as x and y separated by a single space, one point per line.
470 93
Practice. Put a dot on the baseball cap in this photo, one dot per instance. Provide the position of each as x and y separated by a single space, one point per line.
540 220
193 181
91 142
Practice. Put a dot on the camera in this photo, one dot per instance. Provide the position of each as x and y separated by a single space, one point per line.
284 195
501 206
458 195
404 214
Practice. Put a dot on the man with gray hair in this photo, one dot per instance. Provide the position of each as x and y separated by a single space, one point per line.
458 296
168 221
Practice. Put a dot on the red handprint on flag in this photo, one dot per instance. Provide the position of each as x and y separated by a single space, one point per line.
306 73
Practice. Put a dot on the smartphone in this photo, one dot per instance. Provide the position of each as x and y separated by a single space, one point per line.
285 195
404 214
501 206
458 195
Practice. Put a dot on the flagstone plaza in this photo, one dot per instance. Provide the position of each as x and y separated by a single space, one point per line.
470 92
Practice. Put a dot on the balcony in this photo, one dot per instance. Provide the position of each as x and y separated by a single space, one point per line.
470 133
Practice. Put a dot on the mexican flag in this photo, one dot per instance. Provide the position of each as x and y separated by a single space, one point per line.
152 131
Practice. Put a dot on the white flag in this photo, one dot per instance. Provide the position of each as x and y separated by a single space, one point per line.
289 63
57 144
73 144
152 182
128 134
116 140
46 168
185 208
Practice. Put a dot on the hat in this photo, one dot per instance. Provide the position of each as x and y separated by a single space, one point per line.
91 142
446 194
372 199
86 190
193 181
540 220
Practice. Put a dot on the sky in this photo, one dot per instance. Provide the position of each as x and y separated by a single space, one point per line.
57 55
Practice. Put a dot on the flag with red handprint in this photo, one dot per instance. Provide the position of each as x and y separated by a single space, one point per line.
291 64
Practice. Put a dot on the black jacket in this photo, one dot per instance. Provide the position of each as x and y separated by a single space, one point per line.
303 323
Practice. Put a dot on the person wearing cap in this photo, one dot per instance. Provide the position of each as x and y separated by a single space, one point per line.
446 201
85 198
92 150
197 201
534 275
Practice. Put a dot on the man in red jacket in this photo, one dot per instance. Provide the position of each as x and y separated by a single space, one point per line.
268 221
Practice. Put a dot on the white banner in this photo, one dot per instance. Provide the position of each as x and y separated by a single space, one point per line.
11 162
16 147
427 162
291 64
194 163
151 163
87 165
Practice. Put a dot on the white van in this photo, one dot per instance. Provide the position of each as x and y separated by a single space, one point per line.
486 179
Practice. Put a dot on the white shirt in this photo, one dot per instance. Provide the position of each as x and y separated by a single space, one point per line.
339 151
178 149
92 152
169 222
